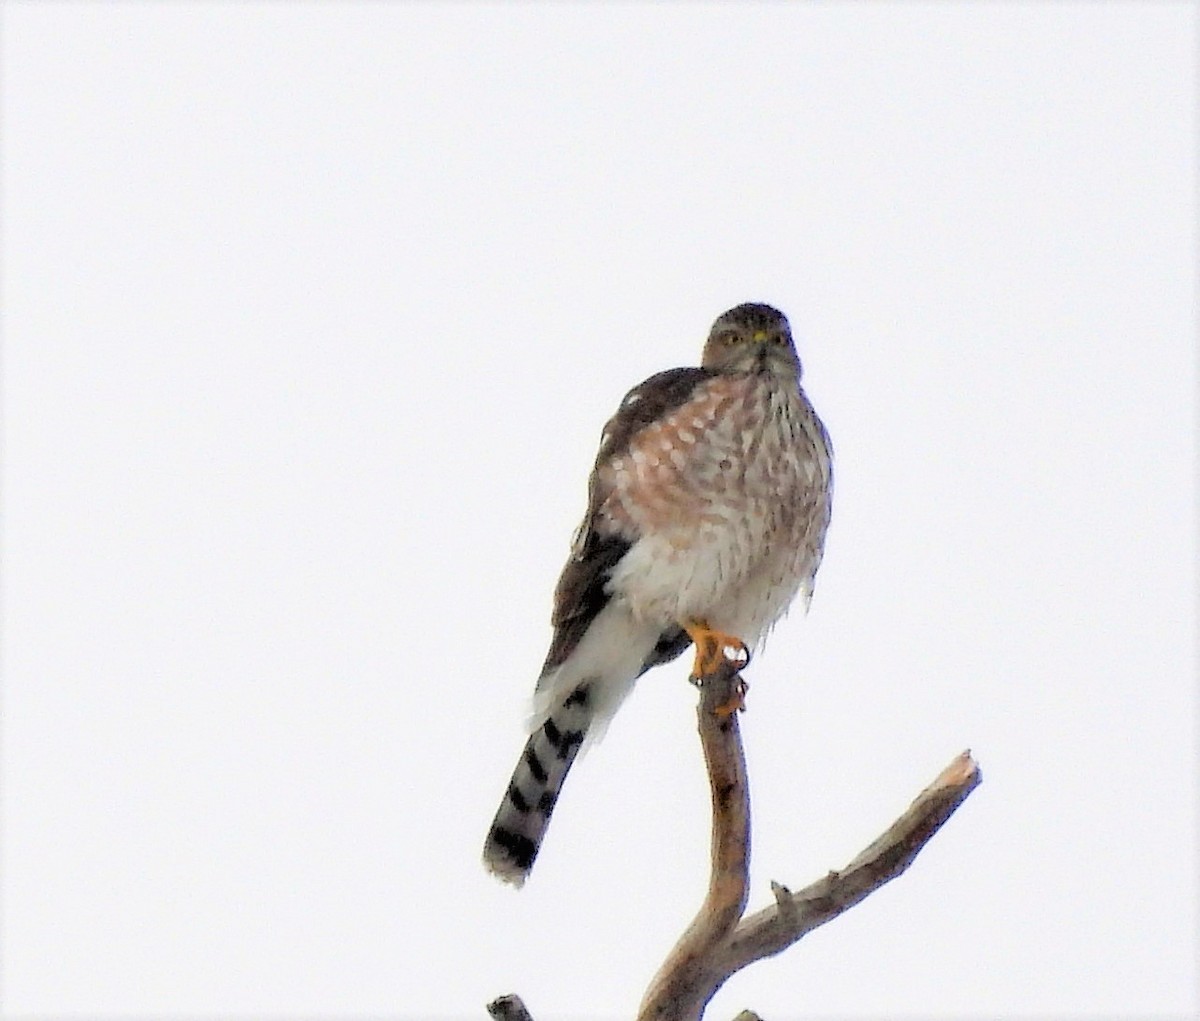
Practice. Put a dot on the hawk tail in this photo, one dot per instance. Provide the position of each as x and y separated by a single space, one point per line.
516 833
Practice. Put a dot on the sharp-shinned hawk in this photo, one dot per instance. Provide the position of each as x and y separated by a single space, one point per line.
707 511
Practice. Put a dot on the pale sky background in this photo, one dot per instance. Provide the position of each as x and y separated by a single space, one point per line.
312 315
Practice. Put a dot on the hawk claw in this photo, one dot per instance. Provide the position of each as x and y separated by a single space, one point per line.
736 704
712 648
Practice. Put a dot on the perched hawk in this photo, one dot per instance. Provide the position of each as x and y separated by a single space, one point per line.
706 516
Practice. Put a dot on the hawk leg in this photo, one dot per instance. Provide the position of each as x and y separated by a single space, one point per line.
711 647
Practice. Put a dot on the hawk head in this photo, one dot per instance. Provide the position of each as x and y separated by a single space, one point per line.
752 338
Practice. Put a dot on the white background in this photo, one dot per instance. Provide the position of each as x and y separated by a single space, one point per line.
312 316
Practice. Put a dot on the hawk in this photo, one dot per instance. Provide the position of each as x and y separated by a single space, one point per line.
706 516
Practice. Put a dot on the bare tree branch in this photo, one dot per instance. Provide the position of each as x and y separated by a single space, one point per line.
719 942
508 1008
687 969
714 947
776 928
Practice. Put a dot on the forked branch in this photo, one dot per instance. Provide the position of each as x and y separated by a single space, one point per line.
717 944
720 942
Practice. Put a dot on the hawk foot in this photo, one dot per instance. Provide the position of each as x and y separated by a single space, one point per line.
712 648
736 704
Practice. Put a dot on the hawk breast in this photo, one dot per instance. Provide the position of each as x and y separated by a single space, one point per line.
724 499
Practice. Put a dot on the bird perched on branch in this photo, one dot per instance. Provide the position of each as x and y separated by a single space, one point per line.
707 510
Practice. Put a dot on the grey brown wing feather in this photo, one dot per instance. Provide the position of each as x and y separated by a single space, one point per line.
572 711
581 592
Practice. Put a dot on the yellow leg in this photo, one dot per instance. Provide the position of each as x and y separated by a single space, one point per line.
711 648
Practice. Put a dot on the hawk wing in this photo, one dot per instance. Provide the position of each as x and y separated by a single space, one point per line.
599 545
575 695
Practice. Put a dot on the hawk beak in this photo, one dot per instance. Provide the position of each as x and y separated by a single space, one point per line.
762 352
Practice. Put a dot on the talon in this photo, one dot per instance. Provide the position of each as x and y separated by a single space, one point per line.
712 648
737 704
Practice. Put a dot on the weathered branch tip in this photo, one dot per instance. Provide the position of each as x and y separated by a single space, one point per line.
508 1008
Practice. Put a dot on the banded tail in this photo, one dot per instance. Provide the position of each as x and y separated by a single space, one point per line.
515 836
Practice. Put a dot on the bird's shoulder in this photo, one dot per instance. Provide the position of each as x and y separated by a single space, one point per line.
598 545
649 402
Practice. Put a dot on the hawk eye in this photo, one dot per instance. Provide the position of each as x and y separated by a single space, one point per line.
729 338
777 338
